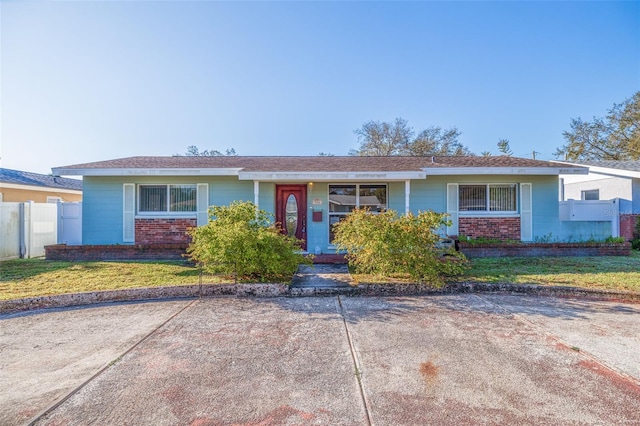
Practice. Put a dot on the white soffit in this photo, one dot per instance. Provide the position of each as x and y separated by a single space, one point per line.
330 176
145 172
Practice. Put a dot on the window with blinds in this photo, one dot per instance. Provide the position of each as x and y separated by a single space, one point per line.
492 198
343 199
167 198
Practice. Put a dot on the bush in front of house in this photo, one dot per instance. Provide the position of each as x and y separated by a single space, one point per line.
635 243
242 241
388 244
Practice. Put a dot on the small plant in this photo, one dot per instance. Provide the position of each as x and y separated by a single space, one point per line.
485 240
635 242
241 240
614 240
545 239
387 244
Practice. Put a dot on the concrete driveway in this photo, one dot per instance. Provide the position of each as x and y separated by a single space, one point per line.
458 359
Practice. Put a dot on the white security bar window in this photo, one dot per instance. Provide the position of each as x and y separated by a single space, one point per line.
345 198
167 198
492 198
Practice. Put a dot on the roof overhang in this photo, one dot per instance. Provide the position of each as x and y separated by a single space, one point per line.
144 172
330 176
544 171
612 172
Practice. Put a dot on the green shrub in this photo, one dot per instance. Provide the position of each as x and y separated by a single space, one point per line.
485 240
387 244
635 243
242 241
614 240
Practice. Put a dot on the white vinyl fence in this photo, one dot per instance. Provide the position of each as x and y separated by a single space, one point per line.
70 224
10 226
25 228
592 211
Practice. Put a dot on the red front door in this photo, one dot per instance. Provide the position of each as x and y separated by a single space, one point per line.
291 211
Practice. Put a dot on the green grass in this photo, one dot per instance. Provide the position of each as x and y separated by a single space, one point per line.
610 272
38 277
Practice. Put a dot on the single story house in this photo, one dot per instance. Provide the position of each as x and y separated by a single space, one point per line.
19 186
148 200
608 180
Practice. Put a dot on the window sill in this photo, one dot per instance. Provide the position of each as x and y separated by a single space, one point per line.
492 214
166 216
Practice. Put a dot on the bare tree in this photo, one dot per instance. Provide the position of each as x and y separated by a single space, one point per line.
398 138
194 151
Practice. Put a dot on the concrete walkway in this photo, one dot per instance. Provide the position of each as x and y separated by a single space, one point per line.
322 276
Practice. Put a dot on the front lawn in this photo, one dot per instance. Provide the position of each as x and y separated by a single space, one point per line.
607 272
39 277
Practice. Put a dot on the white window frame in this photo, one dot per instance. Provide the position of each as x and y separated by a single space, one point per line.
185 214
584 192
357 205
488 211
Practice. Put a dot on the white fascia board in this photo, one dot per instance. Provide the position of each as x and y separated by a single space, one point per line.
548 171
614 172
145 172
607 171
330 176
39 188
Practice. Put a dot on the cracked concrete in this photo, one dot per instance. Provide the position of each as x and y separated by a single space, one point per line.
441 359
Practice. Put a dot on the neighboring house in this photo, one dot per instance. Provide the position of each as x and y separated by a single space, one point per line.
18 186
149 200
608 180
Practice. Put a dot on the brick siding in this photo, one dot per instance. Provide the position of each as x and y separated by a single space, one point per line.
627 225
504 228
115 252
163 230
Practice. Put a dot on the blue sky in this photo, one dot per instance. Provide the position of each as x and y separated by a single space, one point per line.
88 81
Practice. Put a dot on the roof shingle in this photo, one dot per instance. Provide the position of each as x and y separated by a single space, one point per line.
35 179
313 163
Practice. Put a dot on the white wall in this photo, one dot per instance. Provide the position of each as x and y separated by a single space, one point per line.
610 187
26 228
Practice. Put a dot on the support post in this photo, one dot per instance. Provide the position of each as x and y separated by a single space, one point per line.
256 193
407 193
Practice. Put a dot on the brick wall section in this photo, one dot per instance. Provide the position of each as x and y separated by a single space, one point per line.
627 225
109 252
504 228
552 249
163 231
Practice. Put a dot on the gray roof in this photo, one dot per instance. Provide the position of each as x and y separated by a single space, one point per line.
312 164
35 179
633 166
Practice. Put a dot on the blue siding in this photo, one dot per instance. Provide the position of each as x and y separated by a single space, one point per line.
102 210
429 194
102 204
318 232
267 197
395 196
226 189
